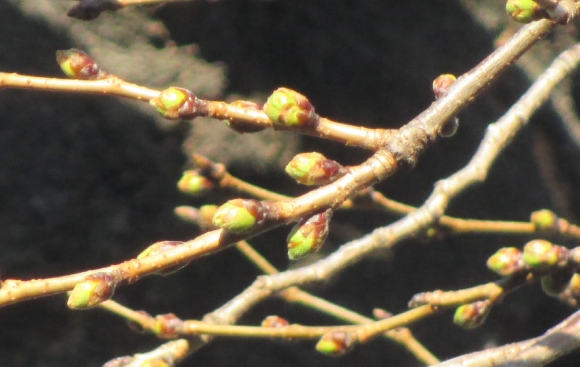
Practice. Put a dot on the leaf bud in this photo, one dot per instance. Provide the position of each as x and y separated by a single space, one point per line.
159 248
92 291
442 83
314 169
176 103
541 254
242 126
472 315
193 183
239 215
308 235
77 64
167 326
335 343
544 220
506 261
524 11
289 108
274 321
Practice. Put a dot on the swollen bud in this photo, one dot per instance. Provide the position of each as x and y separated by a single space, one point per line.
193 183
166 326
239 215
544 220
335 343
524 11
506 261
77 64
541 254
308 235
314 169
92 291
275 322
472 315
442 83
289 108
176 103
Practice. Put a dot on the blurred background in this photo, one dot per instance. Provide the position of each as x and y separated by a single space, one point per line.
89 181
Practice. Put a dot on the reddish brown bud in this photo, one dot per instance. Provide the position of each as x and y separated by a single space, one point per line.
442 83
275 322
92 291
77 64
167 326
314 169
472 315
335 343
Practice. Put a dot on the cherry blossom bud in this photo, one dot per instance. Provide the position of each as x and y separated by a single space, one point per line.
92 291
335 343
541 254
275 322
506 261
544 220
308 235
176 103
239 215
472 315
314 169
166 326
77 64
289 108
193 183
524 11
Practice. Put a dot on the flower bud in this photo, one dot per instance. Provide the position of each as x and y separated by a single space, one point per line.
92 291
442 83
472 315
193 183
335 343
523 11
289 108
176 103
166 326
159 248
241 126
77 64
544 220
314 169
275 322
540 254
239 215
308 235
506 261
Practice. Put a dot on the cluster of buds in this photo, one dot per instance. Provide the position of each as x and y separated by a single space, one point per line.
308 235
242 126
290 109
159 248
274 321
314 169
335 343
537 255
77 64
240 215
441 85
176 103
524 11
194 183
92 291
472 315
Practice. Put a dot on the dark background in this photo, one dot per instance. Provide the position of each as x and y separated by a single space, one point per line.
88 181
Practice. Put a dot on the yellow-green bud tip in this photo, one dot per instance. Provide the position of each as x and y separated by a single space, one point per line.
193 183
540 254
335 343
239 215
472 315
506 261
176 103
289 108
314 169
544 220
77 64
308 235
92 291
523 11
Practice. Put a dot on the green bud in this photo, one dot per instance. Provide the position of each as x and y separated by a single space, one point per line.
523 11
92 291
176 103
540 254
289 108
275 322
472 315
239 215
77 64
308 235
335 343
544 220
193 183
314 169
506 261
